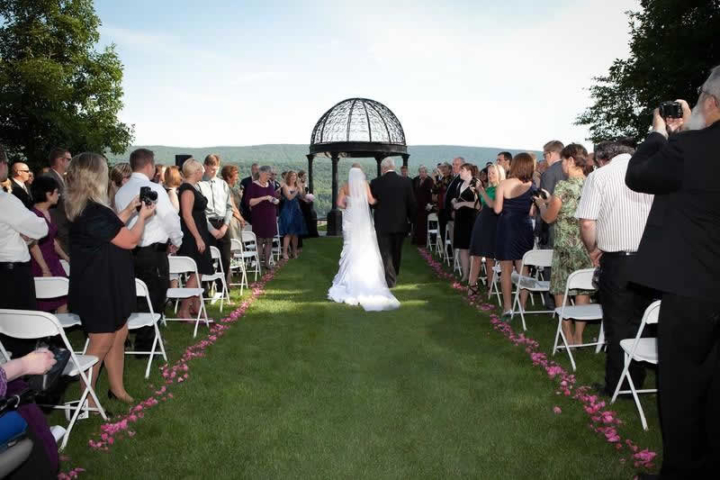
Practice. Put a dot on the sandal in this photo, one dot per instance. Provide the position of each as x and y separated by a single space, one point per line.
473 290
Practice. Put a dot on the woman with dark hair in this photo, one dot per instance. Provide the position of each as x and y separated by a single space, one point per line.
465 205
119 175
569 253
423 186
47 252
513 202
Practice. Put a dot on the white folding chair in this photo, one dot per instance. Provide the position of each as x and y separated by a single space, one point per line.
447 245
66 267
47 288
639 349
218 275
276 243
146 319
250 252
432 231
180 266
578 280
238 263
456 263
31 325
532 258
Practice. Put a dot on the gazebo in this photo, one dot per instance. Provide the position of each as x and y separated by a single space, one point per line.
355 128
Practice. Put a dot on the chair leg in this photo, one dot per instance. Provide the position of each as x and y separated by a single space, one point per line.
601 339
624 374
637 402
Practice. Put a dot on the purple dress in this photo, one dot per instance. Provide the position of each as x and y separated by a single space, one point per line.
52 260
264 214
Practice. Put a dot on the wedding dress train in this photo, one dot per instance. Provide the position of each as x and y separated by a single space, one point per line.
361 278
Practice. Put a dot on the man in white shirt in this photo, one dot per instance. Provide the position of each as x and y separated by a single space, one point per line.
612 219
162 235
219 210
17 286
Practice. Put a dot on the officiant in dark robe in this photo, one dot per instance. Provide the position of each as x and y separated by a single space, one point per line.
422 186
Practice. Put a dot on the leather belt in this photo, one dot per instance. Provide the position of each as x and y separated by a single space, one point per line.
12 265
156 247
619 254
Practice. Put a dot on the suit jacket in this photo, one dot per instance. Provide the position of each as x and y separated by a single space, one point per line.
57 213
22 194
395 203
452 192
684 221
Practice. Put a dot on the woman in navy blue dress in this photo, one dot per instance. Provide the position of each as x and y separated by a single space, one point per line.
291 222
513 202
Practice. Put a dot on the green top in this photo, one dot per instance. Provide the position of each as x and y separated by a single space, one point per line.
490 193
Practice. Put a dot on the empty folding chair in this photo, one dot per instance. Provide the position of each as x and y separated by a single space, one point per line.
639 349
180 266
250 252
31 325
238 263
578 280
532 258
276 244
218 275
146 319
47 288
432 231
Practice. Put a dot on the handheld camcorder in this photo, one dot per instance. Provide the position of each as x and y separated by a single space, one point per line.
671 110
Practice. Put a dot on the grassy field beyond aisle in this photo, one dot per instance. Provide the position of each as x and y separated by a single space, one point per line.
305 388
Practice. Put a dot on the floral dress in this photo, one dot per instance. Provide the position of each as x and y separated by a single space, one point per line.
569 253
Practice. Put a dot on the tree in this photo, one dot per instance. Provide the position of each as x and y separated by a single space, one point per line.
673 46
55 88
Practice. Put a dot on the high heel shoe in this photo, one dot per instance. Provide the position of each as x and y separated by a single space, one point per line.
127 399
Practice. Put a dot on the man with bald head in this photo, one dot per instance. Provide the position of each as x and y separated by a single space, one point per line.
20 175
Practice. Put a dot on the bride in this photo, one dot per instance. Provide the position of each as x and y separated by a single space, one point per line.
361 279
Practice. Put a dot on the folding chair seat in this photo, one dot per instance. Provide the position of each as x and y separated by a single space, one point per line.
218 275
146 319
432 231
180 266
639 349
32 325
532 258
578 280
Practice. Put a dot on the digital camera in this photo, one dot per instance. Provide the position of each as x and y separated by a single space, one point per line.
671 110
148 196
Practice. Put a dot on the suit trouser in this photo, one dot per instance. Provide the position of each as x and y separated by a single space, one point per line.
223 244
390 245
689 386
153 268
17 292
623 305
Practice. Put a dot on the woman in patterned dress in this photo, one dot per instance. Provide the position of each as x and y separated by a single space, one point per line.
569 252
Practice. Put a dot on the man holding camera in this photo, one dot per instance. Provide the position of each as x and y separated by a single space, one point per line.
678 163
162 235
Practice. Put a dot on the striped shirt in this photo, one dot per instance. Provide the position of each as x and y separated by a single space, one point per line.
620 213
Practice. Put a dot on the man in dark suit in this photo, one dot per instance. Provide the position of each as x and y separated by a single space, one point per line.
20 175
684 222
448 211
245 185
395 206
59 160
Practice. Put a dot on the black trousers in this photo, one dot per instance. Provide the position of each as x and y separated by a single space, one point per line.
390 245
689 386
17 292
623 305
223 244
152 267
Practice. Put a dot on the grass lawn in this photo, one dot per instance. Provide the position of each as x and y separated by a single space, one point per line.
304 388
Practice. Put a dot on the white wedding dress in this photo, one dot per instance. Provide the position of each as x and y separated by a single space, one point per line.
361 278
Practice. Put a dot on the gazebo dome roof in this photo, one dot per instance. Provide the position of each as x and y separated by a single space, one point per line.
358 124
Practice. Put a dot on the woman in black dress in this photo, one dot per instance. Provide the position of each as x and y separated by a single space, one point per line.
465 205
423 187
196 231
102 284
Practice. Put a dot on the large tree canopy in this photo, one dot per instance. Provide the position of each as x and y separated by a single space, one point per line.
56 89
673 46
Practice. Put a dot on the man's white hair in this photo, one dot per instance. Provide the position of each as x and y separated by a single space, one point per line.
387 164
712 84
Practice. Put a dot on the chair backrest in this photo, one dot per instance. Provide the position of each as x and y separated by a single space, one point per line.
215 253
235 245
248 236
51 287
182 264
66 267
581 280
247 228
432 217
652 313
537 258
29 325
141 290
217 259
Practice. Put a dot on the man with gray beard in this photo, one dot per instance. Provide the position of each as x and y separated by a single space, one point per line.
683 172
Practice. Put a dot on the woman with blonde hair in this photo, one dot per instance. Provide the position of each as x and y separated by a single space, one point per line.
119 175
292 223
102 285
482 242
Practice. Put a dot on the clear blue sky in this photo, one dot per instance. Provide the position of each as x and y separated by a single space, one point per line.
511 73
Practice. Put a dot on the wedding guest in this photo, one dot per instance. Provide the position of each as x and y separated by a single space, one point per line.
172 182
423 187
59 160
439 193
47 252
569 253
162 235
307 207
119 175
548 180
484 234
292 223
17 287
261 196
219 209
230 174
513 202
20 174
483 176
102 284
245 184
503 160
30 180
465 205
196 229
159 176
404 171
450 194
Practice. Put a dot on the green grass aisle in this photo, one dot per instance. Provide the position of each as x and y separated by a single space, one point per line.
304 388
